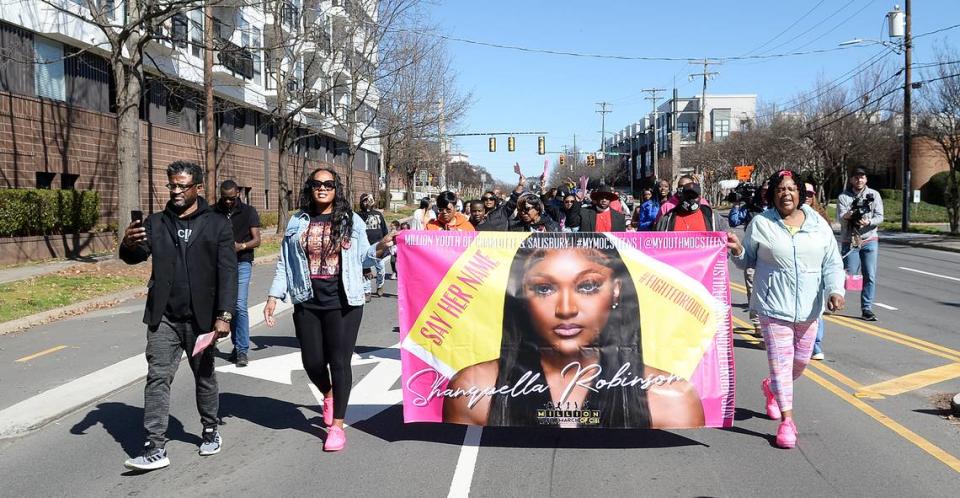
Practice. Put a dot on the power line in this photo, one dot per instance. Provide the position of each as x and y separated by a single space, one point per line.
788 28
834 28
815 26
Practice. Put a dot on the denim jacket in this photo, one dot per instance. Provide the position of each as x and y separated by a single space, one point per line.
293 275
793 272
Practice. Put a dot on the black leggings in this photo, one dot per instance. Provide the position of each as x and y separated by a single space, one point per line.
327 339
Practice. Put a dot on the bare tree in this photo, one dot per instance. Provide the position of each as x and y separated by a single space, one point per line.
940 122
127 27
420 79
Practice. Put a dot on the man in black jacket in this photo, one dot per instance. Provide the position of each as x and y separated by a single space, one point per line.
598 217
192 291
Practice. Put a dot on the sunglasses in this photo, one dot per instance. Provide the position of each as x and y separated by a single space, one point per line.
317 185
179 187
488 198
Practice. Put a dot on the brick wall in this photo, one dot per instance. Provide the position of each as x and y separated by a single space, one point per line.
38 135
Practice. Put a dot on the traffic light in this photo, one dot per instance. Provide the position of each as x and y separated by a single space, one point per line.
511 144
591 160
493 144
563 159
541 145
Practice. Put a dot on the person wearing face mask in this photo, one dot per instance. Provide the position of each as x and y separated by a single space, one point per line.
799 270
599 217
690 214
674 200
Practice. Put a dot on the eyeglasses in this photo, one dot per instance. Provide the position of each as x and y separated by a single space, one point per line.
811 193
174 187
317 185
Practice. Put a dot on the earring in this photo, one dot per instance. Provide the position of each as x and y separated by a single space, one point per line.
615 304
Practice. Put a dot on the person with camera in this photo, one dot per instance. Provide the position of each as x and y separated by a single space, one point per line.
860 212
748 202
690 215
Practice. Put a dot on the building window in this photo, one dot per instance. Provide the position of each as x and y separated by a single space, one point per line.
256 48
178 31
44 179
49 71
196 33
68 181
721 129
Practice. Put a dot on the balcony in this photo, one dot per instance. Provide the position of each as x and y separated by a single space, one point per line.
289 18
234 63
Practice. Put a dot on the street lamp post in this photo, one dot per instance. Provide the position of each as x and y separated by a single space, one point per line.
899 25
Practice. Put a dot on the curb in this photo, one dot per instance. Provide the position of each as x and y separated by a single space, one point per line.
74 309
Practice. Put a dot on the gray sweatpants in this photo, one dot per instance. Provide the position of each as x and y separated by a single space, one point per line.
165 345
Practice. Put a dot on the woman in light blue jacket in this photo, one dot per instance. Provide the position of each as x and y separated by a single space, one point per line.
321 268
797 263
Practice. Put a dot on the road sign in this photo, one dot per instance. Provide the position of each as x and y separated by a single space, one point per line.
743 171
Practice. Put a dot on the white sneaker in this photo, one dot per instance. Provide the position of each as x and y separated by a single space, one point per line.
817 356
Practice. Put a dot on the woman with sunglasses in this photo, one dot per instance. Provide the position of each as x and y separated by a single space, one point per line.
321 268
797 263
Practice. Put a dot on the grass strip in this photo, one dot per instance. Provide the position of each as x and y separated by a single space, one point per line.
27 297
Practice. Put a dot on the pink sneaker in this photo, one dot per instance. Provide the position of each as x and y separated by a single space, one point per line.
773 409
787 434
328 411
336 439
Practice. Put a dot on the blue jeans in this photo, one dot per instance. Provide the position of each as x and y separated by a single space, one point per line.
240 326
864 259
817 344
381 271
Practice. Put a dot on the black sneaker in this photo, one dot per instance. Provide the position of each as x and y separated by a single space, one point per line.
869 316
152 458
211 442
241 360
233 357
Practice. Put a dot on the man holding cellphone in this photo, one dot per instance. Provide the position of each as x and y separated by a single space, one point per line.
245 222
192 291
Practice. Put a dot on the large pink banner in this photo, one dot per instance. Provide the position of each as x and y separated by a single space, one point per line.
627 330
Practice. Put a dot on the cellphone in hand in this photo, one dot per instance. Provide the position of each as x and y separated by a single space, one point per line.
136 216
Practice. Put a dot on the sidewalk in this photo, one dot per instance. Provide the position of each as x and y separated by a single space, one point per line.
30 270
926 241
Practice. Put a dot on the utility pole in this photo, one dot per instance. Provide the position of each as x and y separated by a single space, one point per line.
603 138
653 97
443 150
566 158
576 154
209 127
907 46
706 74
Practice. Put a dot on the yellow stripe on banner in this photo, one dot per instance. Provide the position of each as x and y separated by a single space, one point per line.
933 450
41 353
916 380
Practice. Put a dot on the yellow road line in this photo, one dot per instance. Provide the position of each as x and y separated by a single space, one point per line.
897 337
41 353
934 451
915 380
843 379
946 458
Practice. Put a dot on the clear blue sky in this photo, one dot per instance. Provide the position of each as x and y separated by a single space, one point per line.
518 91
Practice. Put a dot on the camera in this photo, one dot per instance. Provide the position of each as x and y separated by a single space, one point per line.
746 193
860 207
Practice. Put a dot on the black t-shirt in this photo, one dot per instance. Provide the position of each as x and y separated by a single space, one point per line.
323 263
243 217
179 307
376 225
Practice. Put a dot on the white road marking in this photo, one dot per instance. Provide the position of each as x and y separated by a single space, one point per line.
928 273
885 306
52 404
466 463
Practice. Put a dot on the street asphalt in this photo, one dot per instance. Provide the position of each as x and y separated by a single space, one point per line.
853 440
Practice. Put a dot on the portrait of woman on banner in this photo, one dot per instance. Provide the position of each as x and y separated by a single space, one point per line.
571 322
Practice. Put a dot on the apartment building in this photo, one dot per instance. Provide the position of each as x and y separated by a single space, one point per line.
676 126
57 106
